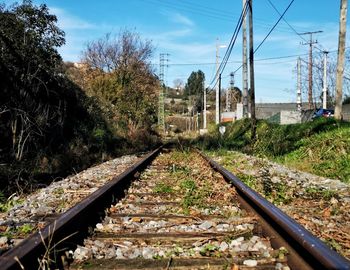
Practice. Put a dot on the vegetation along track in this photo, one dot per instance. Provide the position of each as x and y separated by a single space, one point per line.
179 213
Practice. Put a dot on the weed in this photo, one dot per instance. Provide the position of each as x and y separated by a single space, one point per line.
58 191
25 229
280 194
7 204
210 250
163 188
247 179
333 244
320 193
179 170
188 184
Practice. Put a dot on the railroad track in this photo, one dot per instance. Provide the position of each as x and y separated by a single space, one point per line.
174 212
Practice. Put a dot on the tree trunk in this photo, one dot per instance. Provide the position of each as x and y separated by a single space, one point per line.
341 59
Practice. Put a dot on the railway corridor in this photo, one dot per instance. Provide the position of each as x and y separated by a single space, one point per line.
179 214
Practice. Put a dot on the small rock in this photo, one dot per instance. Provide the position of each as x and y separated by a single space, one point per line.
275 180
205 225
99 244
254 239
127 243
153 223
135 254
161 253
240 239
41 211
266 254
3 240
119 254
99 226
334 201
278 266
147 253
240 227
82 253
250 263
244 246
110 253
258 246
125 219
223 246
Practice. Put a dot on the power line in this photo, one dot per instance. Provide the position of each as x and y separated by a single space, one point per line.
205 11
231 44
268 34
273 27
238 62
291 27
191 10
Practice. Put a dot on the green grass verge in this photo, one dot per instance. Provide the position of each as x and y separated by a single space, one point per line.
320 147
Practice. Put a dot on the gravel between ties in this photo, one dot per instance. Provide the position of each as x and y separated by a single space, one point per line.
321 205
178 196
39 208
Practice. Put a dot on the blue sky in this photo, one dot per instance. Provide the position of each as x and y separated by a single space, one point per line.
188 29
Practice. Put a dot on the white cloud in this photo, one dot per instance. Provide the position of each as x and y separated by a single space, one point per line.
67 21
181 19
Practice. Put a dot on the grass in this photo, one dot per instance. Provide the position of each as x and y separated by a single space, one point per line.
319 193
163 188
321 147
7 203
325 154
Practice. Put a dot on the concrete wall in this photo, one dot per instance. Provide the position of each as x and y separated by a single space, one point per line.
267 110
346 112
290 117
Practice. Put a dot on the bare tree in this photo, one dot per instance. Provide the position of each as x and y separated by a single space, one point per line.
123 76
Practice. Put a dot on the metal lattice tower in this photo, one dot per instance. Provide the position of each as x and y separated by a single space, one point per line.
161 113
229 92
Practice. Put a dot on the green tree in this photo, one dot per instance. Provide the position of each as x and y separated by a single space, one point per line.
30 72
194 89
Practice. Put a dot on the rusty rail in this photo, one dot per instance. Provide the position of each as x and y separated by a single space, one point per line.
305 250
73 225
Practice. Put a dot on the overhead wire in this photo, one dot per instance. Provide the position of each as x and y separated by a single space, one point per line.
290 26
191 10
268 34
232 62
230 46
205 11
273 27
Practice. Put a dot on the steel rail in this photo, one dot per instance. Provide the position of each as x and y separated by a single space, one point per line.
71 227
305 250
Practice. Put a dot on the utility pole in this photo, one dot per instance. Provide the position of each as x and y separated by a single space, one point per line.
324 99
205 109
251 69
310 43
245 65
341 59
161 118
229 92
299 104
217 94
219 103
